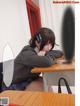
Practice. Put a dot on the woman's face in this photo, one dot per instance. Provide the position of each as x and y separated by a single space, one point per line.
47 47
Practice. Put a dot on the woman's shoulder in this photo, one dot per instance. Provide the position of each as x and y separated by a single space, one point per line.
28 48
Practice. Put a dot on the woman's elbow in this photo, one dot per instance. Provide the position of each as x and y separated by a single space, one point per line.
49 63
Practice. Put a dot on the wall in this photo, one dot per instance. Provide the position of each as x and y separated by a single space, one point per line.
14 26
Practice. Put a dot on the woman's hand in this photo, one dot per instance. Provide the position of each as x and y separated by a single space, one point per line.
41 53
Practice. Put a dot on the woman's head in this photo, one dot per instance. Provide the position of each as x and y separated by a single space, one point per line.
44 37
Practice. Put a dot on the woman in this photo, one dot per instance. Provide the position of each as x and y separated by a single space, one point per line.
33 55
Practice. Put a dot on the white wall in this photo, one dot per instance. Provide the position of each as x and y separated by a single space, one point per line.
51 17
14 26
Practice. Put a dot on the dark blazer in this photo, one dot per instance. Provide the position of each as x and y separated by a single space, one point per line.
25 61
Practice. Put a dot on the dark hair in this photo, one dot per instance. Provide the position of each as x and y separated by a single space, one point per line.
43 35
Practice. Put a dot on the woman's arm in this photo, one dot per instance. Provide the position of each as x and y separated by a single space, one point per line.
31 59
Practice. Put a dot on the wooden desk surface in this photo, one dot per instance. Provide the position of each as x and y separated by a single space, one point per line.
56 67
24 98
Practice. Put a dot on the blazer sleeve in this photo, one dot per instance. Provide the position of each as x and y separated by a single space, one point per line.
33 60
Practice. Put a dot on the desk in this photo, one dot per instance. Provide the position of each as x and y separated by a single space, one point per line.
24 98
53 73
